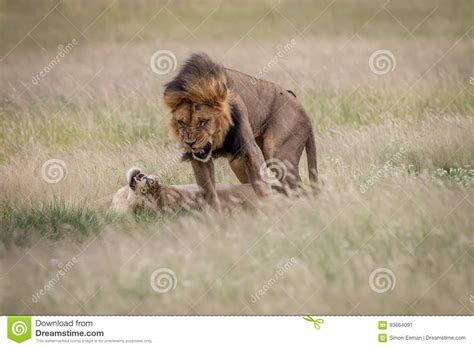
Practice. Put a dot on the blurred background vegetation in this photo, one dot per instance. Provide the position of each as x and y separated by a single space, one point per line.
120 20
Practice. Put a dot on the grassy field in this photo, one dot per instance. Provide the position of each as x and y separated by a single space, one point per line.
391 231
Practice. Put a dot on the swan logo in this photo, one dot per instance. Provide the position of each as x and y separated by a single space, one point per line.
19 328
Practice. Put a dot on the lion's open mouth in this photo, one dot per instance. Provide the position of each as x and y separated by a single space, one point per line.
139 176
202 152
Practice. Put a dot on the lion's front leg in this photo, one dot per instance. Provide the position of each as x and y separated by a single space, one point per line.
254 166
205 179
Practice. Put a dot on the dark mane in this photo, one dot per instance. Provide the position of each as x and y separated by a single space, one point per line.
200 79
197 67
233 142
186 156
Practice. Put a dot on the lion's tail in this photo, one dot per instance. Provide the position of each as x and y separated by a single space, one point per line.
312 159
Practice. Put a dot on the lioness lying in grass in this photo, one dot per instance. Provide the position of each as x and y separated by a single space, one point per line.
144 192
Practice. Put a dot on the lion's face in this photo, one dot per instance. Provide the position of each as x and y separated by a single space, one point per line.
200 128
141 183
147 185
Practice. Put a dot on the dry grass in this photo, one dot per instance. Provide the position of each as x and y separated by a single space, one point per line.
100 112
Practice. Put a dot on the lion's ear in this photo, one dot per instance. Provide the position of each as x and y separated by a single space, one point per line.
131 174
172 98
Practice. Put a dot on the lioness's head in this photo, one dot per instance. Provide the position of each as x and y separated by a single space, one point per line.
199 101
148 185
141 183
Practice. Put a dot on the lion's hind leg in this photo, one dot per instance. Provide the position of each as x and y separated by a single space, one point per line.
282 157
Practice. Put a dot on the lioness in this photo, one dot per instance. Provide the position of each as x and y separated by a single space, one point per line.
222 112
145 192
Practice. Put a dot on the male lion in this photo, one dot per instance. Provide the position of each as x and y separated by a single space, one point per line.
222 112
146 193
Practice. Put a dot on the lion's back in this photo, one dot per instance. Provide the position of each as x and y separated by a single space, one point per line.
267 102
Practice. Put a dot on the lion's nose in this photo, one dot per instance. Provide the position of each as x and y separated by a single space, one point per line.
190 143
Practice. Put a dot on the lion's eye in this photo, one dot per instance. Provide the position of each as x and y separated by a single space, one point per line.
197 107
203 123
